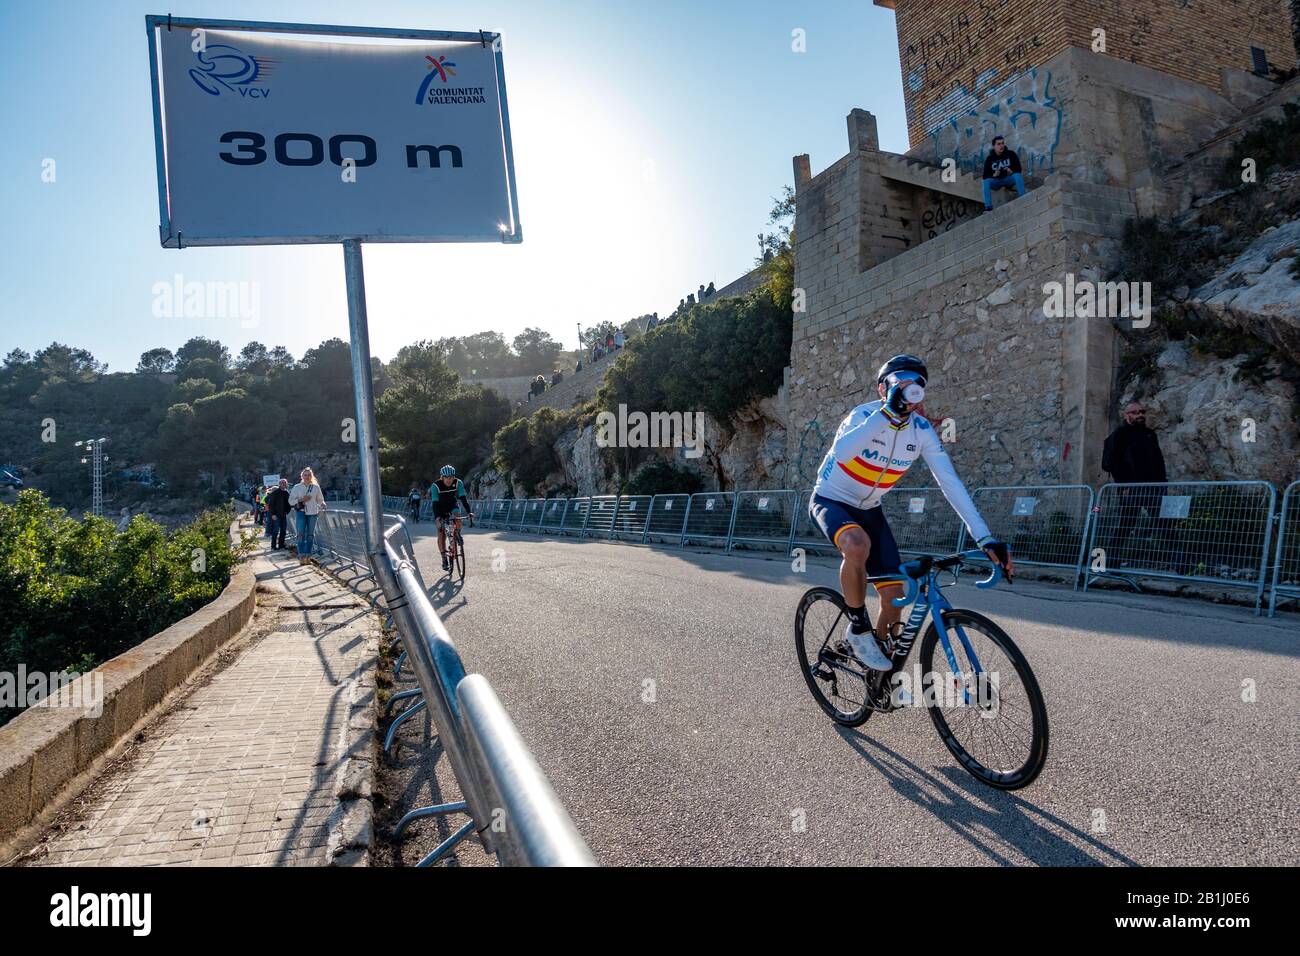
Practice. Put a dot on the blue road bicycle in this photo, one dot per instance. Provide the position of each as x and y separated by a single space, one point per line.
982 696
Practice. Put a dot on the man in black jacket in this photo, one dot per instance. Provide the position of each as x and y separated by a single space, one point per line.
1001 171
1132 456
277 508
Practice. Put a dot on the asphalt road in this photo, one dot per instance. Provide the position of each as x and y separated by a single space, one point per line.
658 689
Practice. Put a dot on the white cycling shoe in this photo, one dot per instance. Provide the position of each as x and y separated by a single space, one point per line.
867 650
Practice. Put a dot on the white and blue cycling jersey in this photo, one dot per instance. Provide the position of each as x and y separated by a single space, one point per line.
873 449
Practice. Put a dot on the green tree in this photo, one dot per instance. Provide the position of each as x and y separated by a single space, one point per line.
537 352
156 362
67 364
200 349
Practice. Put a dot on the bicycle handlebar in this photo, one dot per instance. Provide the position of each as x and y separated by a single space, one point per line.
994 578
914 583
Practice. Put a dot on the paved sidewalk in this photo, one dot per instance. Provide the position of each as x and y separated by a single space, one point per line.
268 760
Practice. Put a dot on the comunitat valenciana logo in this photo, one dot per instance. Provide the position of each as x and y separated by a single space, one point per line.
222 68
443 93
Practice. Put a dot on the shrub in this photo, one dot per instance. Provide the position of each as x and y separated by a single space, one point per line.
526 446
1273 143
74 594
714 358
664 477
1159 252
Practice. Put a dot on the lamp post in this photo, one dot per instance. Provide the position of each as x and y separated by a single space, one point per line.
95 446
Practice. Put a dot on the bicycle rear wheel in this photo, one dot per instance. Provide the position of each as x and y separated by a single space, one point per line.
460 556
838 681
996 728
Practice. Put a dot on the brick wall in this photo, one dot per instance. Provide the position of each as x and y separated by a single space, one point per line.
954 52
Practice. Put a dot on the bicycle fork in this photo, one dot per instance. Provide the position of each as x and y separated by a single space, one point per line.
945 640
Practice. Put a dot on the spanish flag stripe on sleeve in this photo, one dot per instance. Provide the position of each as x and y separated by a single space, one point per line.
870 474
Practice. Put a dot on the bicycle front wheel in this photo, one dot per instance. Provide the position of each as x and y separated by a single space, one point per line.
838 681
995 725
460 556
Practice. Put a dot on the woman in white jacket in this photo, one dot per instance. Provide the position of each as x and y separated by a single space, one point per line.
308 501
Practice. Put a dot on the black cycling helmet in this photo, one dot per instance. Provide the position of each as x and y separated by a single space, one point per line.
903 363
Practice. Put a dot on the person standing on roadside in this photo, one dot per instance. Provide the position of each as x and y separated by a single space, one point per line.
308 501
1132 456
277 509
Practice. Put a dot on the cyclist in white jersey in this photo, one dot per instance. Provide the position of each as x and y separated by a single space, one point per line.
875 445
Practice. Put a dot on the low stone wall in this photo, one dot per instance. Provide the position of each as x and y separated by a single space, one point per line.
47 747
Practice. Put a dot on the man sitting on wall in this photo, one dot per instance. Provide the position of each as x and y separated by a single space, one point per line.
1001 171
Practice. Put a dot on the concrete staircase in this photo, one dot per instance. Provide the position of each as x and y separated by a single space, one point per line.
926 175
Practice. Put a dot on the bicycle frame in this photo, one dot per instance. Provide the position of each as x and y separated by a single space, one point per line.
927 598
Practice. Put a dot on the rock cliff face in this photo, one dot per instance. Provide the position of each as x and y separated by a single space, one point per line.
1224 395
1213 425
748 452
1259 292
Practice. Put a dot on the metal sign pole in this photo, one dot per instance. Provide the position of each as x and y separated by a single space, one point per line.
424 656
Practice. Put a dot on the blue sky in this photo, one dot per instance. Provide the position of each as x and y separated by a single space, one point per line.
684 118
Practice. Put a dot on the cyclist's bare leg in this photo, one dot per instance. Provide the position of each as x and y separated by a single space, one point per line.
855 546
442 538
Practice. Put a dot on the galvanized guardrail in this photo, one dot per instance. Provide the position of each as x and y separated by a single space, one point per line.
510 803
1207 532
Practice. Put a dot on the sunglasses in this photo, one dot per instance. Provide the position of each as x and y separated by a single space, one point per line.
904 377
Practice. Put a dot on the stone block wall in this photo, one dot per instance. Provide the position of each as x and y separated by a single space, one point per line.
1028 395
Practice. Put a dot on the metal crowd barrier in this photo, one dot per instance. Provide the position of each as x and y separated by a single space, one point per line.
630 516
553 515
666 517
805 534
575 520
1286 563
709 517
922 521
600 516
1216 532
1045 525
1209 532
763 518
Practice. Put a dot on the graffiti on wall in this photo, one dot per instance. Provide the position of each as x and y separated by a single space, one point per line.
941 213
945 52
1023 109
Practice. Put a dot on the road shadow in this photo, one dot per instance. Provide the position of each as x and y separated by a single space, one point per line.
969 809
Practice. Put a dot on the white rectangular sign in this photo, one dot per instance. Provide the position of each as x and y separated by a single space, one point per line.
294 133
270 481
1175 506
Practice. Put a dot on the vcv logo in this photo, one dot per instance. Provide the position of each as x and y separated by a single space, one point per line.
222 67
